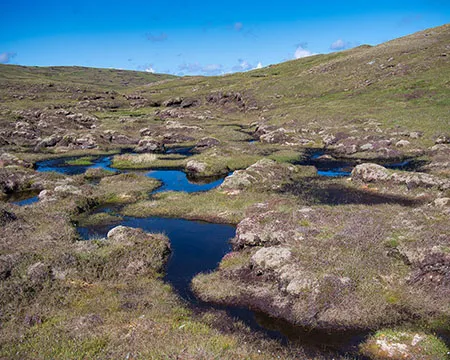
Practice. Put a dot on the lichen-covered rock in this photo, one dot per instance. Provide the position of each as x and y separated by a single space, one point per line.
402 143
278 136
378 173
258 231
271 257
196 166
442 202
264 174
370 172
48 141
206 143
67 190
173 102
400 345
120 233
143 251
7 159
149 144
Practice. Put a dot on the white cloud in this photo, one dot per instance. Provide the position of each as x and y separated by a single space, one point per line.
6 57
196 68
301 52
244 65
147 68
340 44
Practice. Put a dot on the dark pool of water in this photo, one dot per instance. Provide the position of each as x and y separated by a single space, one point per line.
325 191
198 247
186 151
23 198
332 167
102 162
172 180
176 180
60 165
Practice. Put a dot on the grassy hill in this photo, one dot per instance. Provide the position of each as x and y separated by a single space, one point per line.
102 78
402 83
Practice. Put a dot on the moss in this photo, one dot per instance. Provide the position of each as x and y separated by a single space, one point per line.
82 161
98 219
148 161
125 188
220 162
205 286
288 156
213 205
399 344
98 173
235 260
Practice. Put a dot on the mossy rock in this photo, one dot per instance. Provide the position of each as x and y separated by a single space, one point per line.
399 345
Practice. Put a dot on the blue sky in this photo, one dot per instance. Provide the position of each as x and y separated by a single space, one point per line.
200 37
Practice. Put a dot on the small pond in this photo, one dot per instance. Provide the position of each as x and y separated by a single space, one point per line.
329 166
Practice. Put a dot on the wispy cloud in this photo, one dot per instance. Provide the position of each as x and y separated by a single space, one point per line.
6 57
340 44
301 51
244 65
157 38
198 69
147 68
212 69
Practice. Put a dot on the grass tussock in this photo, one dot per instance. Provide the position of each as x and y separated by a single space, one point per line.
213 206
148 161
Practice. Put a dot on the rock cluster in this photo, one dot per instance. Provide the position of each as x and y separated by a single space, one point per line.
376 173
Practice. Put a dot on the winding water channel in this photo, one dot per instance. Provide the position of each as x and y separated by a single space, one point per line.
199 246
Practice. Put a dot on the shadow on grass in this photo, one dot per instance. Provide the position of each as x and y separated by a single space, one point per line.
323 191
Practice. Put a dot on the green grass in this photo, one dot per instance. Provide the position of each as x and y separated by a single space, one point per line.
82 161
429 347
213 205
148 161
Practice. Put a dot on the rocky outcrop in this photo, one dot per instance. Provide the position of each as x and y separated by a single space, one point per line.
16 179
334 268
149 145
173 102
49 141
282 136
377 173
206 143
227 99
370 173
7 159
146 252
196 167
264 174
120 139
389 344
